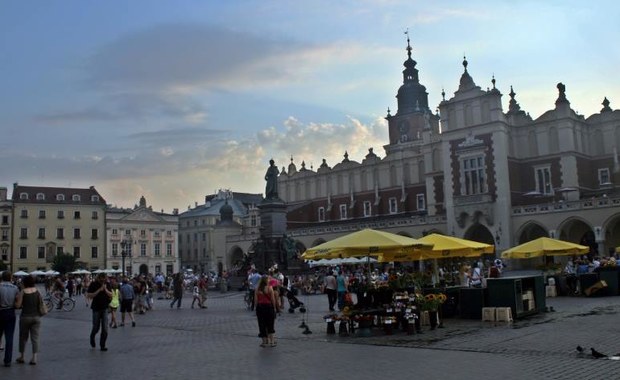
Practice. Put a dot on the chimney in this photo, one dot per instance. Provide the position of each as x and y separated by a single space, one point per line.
3 193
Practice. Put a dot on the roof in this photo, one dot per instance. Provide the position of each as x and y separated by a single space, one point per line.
212 208
57 195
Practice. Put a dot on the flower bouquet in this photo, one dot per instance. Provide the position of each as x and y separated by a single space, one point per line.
432 301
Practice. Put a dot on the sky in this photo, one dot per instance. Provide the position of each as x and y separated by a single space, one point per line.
173 100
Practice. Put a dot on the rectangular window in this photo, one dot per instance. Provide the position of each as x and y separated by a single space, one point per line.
473 179
24 214
204 236
157 234
4 253
60 214
252 220
169 233
40 252
95 215
195 236
114 231
5 235
142 249
23 253
604 177
168 249
142 233
76 215
23 233
420 202
5 219
94 233
41 233
60 233
94 252
76 233
127 232
343 211
393 205
321 214
114 249
76 252
157 249
60 250
41 214
543 180
157 268
367 208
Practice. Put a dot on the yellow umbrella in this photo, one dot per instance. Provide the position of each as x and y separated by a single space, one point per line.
444 247
367 242
544 246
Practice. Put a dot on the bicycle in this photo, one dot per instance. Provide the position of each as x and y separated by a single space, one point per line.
247 298
52 302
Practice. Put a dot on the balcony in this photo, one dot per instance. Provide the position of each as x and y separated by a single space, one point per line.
461 200
562 206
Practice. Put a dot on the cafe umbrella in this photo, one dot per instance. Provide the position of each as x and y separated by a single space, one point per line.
544 246
365 243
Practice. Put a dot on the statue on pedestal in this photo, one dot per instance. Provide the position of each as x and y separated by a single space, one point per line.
271 189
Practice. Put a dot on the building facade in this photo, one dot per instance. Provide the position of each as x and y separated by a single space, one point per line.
143 241
6 216
204 234
52 220
472 170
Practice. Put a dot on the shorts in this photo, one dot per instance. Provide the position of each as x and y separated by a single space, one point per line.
126 306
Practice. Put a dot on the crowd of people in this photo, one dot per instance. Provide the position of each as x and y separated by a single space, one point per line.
104 294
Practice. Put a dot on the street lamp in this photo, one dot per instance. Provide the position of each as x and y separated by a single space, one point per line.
125 251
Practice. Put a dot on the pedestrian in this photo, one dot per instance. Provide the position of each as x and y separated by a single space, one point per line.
266 307
114 302
343 288
203 286
253 280
30 319
177 289
196 295
100 295
9 298
127 296
330 288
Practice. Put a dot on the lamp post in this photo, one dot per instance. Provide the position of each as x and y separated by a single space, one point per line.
125 252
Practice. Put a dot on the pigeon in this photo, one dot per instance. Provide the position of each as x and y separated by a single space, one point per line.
597 354
579 349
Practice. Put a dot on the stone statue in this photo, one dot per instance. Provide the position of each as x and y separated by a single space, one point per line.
271 189
288 246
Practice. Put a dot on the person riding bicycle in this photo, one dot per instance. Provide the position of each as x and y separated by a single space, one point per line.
59 290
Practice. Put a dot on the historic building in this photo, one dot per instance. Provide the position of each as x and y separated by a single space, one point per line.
205 229
6 215
472 170
51 220
141 240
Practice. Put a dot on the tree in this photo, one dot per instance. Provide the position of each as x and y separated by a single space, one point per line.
63 263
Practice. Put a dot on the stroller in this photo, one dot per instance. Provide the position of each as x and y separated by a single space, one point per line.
294 302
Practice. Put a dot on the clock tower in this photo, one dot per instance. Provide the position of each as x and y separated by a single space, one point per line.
413 115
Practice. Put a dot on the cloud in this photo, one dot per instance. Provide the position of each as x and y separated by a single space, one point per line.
179 167
176 58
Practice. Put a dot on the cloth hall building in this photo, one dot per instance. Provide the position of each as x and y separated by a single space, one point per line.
471 170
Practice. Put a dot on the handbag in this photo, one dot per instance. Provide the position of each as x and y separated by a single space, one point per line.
42 307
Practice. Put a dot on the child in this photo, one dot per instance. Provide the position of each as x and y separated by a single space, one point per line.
196 295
